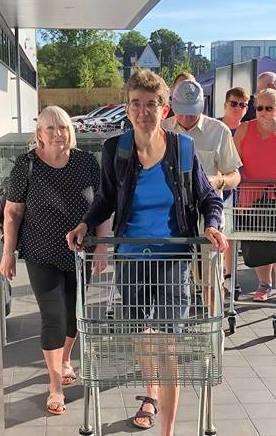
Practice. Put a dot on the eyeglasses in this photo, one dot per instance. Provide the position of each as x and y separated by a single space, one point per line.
150 106
266 108
234 103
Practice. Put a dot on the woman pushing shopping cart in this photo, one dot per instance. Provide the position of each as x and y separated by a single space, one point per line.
252 217
164 331
154 183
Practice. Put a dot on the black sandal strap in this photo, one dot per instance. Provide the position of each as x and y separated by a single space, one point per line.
148 400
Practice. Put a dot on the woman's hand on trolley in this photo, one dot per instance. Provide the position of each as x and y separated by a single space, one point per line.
8 265
76 236
217 239
99 263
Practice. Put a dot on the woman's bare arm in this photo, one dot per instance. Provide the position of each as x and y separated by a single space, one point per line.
13 215
239 136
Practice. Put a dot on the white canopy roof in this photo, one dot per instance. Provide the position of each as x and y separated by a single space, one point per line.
75 14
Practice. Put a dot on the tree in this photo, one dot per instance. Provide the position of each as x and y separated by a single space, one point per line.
131 41
78 58
199 64
130 44
168 46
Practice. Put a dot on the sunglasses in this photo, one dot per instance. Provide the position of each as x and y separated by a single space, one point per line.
234 103
266 108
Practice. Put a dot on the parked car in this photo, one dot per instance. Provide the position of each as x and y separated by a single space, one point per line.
96 112
98 122
119 123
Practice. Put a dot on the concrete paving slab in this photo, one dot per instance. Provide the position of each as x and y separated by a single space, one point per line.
244 404
265 427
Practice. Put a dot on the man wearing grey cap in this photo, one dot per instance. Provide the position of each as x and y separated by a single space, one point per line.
213 139
213 143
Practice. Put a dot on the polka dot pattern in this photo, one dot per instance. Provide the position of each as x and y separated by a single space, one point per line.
56 200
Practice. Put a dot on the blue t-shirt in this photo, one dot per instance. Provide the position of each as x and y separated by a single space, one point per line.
153 213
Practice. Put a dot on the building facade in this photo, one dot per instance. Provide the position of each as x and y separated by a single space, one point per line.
18 97
228 52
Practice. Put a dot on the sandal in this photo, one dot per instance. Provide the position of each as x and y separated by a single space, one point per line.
261 295
68 375
143 414
55 404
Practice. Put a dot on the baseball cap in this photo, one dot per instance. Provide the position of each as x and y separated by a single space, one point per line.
188 98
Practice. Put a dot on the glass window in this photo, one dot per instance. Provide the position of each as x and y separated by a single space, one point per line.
8 56
250 52
272 52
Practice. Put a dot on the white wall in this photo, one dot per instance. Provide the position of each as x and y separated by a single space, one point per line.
27 40
29 107
8 98
8 103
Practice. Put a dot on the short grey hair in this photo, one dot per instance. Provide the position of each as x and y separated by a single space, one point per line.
269 77
57 116
269 92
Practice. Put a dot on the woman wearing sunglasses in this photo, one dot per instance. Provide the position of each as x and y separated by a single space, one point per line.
235 107
256 142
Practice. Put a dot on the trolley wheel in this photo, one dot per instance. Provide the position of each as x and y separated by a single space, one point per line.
210 432
86 430
237 293
232 320
274 326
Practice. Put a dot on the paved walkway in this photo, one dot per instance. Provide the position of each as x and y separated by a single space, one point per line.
244 404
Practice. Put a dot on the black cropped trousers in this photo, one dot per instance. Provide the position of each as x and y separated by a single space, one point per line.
55 292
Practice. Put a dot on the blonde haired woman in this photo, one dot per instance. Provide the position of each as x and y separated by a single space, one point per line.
50 189
256 143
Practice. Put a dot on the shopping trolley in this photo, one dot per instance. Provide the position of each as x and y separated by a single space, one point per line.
150 319
252 218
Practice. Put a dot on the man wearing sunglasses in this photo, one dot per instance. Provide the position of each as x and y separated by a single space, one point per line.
235 107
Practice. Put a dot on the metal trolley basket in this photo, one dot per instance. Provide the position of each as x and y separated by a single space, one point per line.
123 343
251 218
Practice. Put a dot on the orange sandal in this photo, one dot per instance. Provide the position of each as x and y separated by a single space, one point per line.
143 414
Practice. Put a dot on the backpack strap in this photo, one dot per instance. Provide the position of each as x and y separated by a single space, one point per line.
185 149
123 152
185 153
125 145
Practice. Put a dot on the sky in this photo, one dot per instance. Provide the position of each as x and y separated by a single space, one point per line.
204 21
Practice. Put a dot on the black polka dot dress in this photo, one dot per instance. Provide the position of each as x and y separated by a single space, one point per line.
55 202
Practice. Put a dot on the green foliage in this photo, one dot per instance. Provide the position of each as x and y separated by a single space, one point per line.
169 74
199 64
166 74
87 58
78 58
168 46
130 41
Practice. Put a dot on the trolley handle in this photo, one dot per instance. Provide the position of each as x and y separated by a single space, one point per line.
92 240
